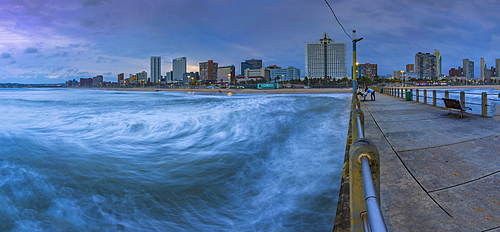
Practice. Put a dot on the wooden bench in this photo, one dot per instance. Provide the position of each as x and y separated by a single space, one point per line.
455 104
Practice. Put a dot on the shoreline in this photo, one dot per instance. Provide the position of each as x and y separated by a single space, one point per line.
236 91
288 91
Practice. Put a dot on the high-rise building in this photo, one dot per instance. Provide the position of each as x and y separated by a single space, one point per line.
120 77
410 68
456 72
360 70
493 71
397 75
483 68
85 82
142 77
468 68
243 66
497 65
72 83
488 73
97 80
156 69
262 72
189 77
208 71
452 72
425 65
256 64
367 70
292 73
326 58
179 68
283 74
439 61
133 77
277 73
169 76
226 73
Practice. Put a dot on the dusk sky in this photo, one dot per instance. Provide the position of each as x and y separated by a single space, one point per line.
56 40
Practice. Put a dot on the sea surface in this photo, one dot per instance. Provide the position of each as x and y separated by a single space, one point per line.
94 160
472 98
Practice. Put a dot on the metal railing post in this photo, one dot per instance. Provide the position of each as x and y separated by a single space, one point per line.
355 102
366 225
484 104
434 97
425 96
416 96
355 129
411 94
363 153
397 92
402 93
446 94
462 98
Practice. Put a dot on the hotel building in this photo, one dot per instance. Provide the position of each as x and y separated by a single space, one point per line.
326 58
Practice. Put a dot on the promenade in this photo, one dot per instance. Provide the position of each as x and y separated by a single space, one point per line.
438 172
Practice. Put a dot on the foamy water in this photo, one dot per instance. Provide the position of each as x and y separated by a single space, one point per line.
81 160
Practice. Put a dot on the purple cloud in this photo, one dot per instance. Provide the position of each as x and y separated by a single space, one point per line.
5 55
31 50
88 35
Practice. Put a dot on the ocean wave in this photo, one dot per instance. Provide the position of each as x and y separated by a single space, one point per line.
171 161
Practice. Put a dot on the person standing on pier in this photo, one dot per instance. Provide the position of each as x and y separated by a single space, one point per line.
372 96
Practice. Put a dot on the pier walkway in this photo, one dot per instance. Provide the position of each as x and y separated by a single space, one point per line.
438 172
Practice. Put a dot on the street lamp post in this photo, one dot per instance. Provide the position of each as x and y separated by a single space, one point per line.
354 66
403 78
357 77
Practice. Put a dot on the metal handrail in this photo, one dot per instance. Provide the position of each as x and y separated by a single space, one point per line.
372 207
360 128
362 152
484 97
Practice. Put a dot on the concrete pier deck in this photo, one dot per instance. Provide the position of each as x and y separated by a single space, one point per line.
438 172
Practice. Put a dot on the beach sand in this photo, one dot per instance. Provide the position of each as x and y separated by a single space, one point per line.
288 90
235 91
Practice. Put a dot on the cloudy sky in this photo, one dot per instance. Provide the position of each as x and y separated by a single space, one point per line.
52 41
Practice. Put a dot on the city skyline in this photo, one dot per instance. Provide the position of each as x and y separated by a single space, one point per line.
53 41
